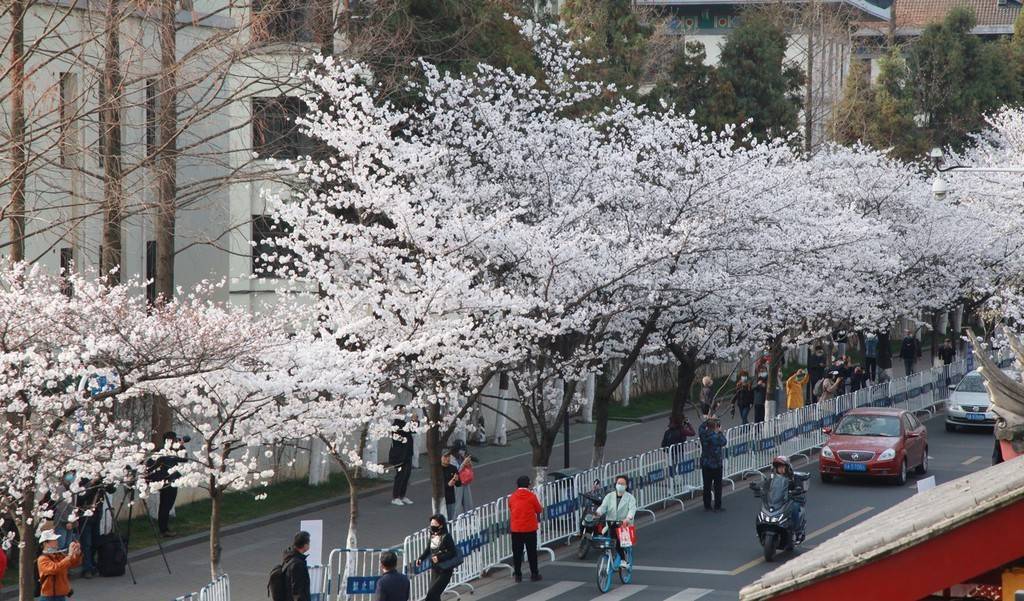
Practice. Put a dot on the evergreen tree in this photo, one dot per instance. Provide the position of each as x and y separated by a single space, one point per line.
765 87
692 85
611 32
957 78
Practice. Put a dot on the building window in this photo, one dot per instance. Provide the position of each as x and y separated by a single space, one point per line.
269 259
66 265
150 271
275 135
68 85
282 20
150 119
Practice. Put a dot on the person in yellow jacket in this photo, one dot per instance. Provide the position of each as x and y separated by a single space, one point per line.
795 385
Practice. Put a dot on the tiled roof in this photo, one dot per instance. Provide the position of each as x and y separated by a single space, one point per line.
923 516
989 13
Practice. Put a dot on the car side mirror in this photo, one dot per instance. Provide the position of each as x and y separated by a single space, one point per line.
913 435
826 430
952 387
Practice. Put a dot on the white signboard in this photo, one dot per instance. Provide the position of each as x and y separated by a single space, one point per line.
925 484
315 528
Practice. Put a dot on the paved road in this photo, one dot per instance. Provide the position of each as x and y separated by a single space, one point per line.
691 555
248 556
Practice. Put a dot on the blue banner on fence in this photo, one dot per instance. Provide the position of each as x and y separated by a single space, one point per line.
656 475
361 585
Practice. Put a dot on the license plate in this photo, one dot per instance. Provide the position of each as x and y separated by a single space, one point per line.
855 467
976 417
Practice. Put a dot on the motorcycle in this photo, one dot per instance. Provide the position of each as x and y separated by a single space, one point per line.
776 529
591 524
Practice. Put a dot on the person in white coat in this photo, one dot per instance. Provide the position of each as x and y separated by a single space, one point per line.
618 509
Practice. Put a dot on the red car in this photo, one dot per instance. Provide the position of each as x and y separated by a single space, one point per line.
875 442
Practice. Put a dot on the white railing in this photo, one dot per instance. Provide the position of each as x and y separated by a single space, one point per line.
218 590
657 477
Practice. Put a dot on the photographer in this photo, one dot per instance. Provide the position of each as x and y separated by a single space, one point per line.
162 470
53 565
90 512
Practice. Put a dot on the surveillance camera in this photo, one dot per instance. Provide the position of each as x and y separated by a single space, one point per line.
939 188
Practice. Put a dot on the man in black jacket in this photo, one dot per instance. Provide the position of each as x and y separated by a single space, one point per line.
296 572
392 586
909 352
450 475
162 470
400 457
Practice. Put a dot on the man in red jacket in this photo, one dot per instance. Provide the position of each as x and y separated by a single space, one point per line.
525 510
3 567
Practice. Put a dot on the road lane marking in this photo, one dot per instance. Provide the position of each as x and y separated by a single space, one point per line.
621 592
690 594
816 533
550 592
971 460
636 568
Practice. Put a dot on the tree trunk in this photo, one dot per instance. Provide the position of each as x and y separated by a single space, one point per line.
936 334
216 496
19 168
110 123
602 398
434 457
603 389
541 460
166 175
352 539
686 374
26 562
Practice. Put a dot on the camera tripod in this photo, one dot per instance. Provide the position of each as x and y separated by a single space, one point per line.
129 498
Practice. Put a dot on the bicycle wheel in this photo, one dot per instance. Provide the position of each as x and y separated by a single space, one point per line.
626 574
604 573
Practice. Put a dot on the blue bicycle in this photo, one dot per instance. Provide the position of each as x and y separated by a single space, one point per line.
610 562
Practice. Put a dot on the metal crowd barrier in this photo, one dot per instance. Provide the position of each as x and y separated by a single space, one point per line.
218 590
658 476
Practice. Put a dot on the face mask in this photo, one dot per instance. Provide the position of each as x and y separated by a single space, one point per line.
620 488
435 529
743 379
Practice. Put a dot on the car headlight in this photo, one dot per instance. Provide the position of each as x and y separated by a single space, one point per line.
827 452
887 455
957 408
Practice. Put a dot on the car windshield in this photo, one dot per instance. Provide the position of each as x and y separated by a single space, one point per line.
971 383
869 425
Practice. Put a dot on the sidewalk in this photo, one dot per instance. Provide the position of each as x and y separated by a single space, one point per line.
249 555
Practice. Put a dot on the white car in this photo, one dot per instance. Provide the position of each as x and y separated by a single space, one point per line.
970 405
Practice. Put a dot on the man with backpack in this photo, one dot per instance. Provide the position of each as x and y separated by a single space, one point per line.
289 581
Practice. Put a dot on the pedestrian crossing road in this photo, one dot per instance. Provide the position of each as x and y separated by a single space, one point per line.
579 591
693 555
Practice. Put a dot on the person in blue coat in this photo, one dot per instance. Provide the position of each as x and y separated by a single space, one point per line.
712 445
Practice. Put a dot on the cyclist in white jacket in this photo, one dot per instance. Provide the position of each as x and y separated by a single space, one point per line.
618 509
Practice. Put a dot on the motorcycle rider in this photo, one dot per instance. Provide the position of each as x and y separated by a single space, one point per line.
781 485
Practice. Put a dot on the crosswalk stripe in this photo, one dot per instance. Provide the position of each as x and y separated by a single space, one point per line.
550 592
689 594
621 592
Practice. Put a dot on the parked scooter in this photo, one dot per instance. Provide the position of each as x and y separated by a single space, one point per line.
783 496
591 524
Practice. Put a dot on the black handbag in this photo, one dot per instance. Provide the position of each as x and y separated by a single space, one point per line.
453 562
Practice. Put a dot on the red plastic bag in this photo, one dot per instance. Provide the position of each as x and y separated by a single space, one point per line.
627 535
466 475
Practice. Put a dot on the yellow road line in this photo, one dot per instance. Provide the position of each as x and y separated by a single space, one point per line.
971 460
816 533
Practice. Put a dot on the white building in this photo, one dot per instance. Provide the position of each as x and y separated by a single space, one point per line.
234 78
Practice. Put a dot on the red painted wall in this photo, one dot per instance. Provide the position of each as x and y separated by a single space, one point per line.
933 565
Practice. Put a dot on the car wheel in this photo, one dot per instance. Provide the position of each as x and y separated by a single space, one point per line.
826 478
901 479
923 468
950 427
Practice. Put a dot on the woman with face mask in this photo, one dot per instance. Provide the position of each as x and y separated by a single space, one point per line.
440 549
618 509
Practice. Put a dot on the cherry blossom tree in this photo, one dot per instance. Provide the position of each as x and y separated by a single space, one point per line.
59 331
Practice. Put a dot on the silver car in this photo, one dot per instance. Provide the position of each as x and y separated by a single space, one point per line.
969 404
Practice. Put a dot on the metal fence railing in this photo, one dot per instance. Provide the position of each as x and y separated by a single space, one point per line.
657 477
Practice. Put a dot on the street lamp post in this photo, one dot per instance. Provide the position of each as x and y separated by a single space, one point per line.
940 188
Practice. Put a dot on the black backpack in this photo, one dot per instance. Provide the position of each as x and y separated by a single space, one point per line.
111 555
277 584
